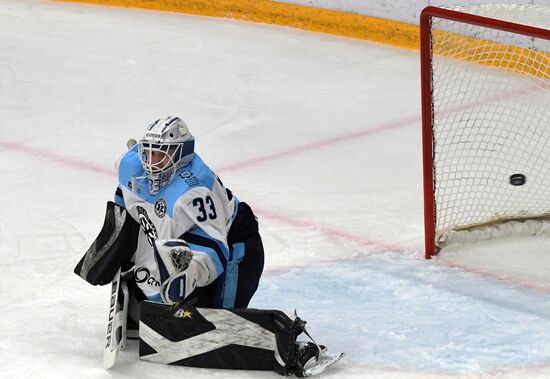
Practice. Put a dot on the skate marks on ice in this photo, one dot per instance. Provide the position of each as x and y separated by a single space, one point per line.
393 313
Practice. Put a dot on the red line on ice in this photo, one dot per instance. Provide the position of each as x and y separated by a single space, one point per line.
498 278
326 231
52 157
370 131
319 144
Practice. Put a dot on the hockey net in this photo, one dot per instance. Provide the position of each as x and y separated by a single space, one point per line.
486 118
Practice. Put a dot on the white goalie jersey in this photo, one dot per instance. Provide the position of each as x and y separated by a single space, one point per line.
196 204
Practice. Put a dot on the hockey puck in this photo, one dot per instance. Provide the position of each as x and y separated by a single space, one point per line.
517 179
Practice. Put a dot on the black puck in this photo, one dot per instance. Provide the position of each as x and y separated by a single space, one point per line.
517 179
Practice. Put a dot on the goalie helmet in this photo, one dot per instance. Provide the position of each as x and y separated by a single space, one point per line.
166 146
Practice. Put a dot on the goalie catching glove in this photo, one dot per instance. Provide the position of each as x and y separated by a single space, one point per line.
180 271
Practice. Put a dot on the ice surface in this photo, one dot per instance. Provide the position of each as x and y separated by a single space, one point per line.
320 134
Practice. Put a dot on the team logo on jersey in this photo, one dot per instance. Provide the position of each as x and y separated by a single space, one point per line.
160 208
189 178
142 275
147 225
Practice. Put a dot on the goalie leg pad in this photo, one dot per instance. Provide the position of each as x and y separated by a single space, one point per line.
245 339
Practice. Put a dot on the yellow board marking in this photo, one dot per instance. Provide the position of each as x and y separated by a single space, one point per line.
297 16
488 53
509 58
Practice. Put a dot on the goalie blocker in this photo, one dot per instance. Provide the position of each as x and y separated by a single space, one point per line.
245 339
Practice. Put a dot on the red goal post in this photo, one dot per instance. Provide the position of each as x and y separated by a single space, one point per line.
474 62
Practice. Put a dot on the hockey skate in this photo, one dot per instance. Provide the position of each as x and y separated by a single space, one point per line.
312 359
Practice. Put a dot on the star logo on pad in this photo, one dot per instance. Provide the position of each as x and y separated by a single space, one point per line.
187 314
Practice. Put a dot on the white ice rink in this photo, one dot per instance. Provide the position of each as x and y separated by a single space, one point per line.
320 134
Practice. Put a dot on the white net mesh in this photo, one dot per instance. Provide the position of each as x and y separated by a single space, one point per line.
491 113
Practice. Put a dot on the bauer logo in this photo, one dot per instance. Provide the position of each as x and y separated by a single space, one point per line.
160 208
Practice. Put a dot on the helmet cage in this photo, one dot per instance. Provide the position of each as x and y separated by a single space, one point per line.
161 160
158 158
166 146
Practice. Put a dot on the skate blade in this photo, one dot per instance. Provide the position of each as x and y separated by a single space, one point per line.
324 362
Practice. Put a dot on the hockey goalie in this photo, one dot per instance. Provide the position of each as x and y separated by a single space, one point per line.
184 257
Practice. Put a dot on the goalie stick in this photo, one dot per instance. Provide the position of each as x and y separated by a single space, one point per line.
115 338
